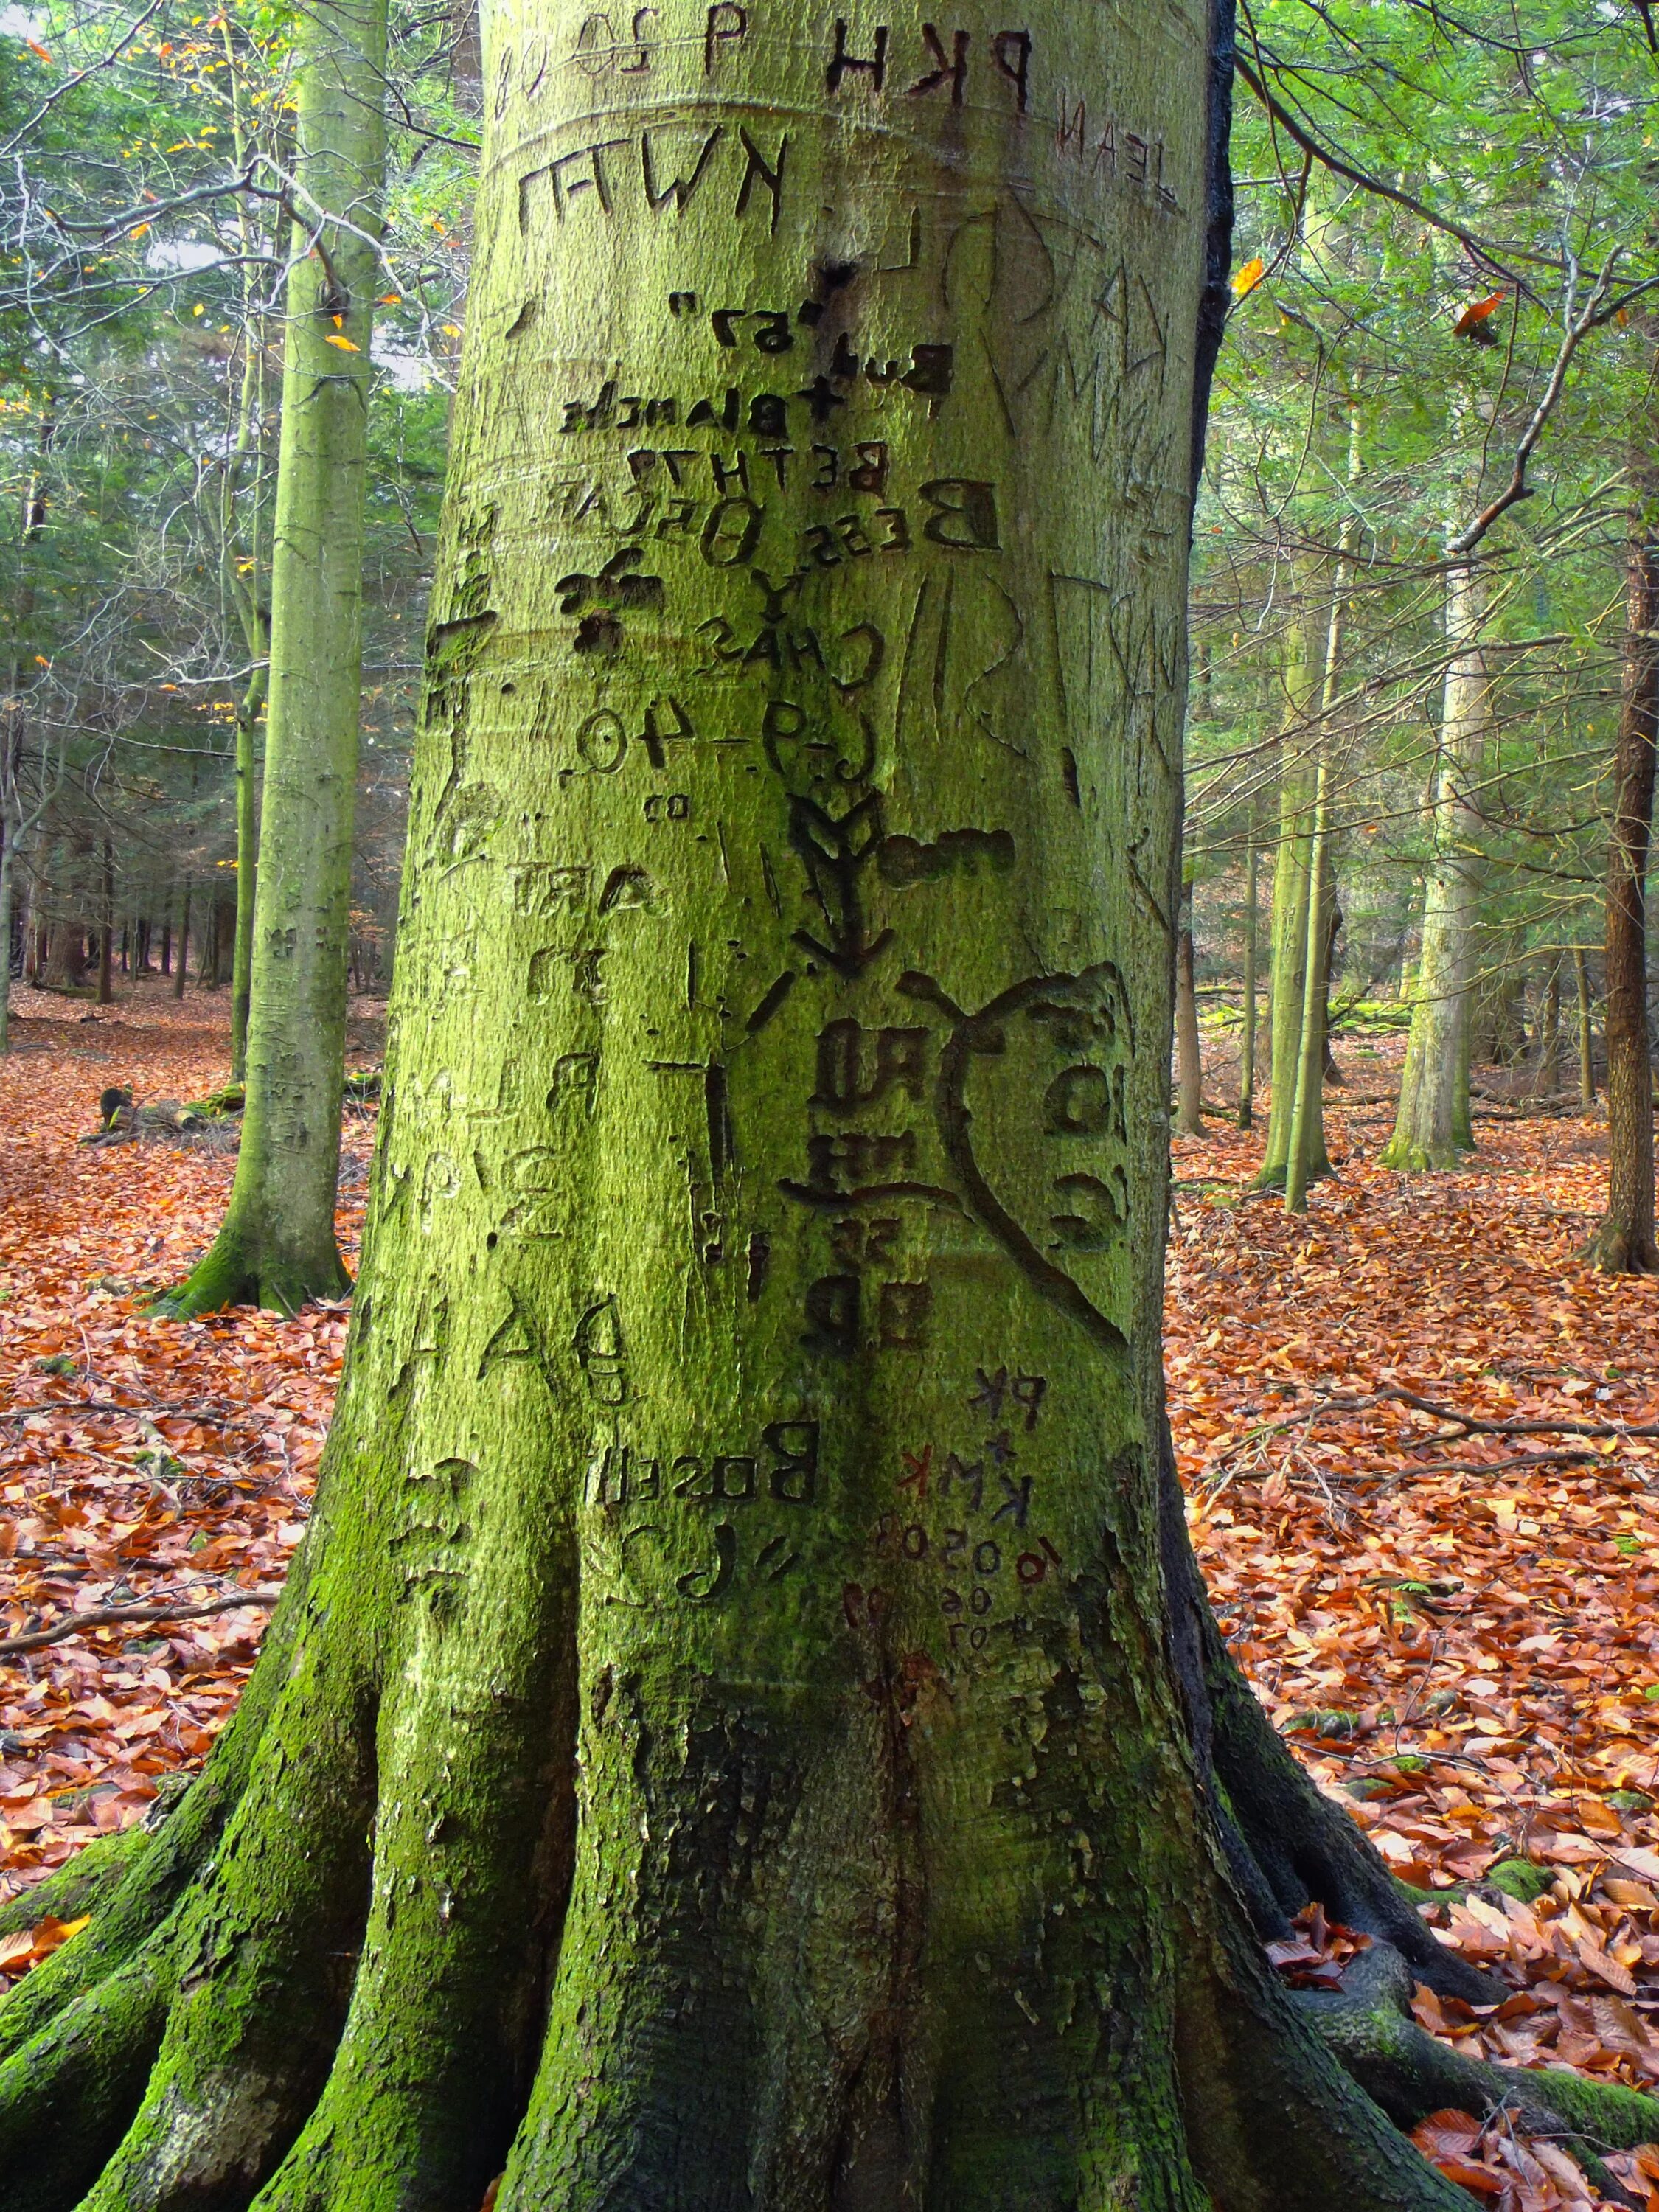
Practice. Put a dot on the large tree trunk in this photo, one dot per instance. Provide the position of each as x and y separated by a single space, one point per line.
66 955
743 1731
1431 1124
1624 1243
277 1245
1307 1138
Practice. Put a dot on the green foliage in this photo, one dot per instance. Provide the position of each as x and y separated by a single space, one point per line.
140 368
1498 192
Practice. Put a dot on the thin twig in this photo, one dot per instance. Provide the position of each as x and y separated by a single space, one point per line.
107 1616
133 1413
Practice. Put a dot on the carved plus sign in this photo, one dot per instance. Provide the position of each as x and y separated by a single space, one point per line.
822 398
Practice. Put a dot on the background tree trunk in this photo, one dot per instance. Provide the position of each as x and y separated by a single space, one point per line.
1289 910
1306 1140
247 851
277 1244
1431 1123
1546 1074
1252 930
1624 1244
1189 1064
107 924
66 957
1586 1032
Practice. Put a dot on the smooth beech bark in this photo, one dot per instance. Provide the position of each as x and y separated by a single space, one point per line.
1307 1138
1292 879
1305 1155
276 1246
1431 1127
1624 1243
744 1732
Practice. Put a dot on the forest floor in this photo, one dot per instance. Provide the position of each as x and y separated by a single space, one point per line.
1454 1626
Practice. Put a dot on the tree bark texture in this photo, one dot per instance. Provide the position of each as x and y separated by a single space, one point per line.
277 1244
1189 1060
247 873
8 844
1431 1124
1247 1043
1624 1243
1586 1031
1289 951
744 1732
107 923
182 969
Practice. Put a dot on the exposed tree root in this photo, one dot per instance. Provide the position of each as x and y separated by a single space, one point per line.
1408 1158
67 2094
245 2018
236 1272
1286 1843
85 1885
1368 2027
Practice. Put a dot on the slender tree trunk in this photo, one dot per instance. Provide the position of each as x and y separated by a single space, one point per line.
1432 1125
167 948
1289 912
277 1245
1305 1157
107 924
182 968
6 850
1624 1244
1252 928
744 1729
1307 1121
246 495
1333 930
1586 1032
1190 1065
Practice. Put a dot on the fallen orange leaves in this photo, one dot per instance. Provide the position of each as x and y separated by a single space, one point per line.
1463 1648
139 1460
